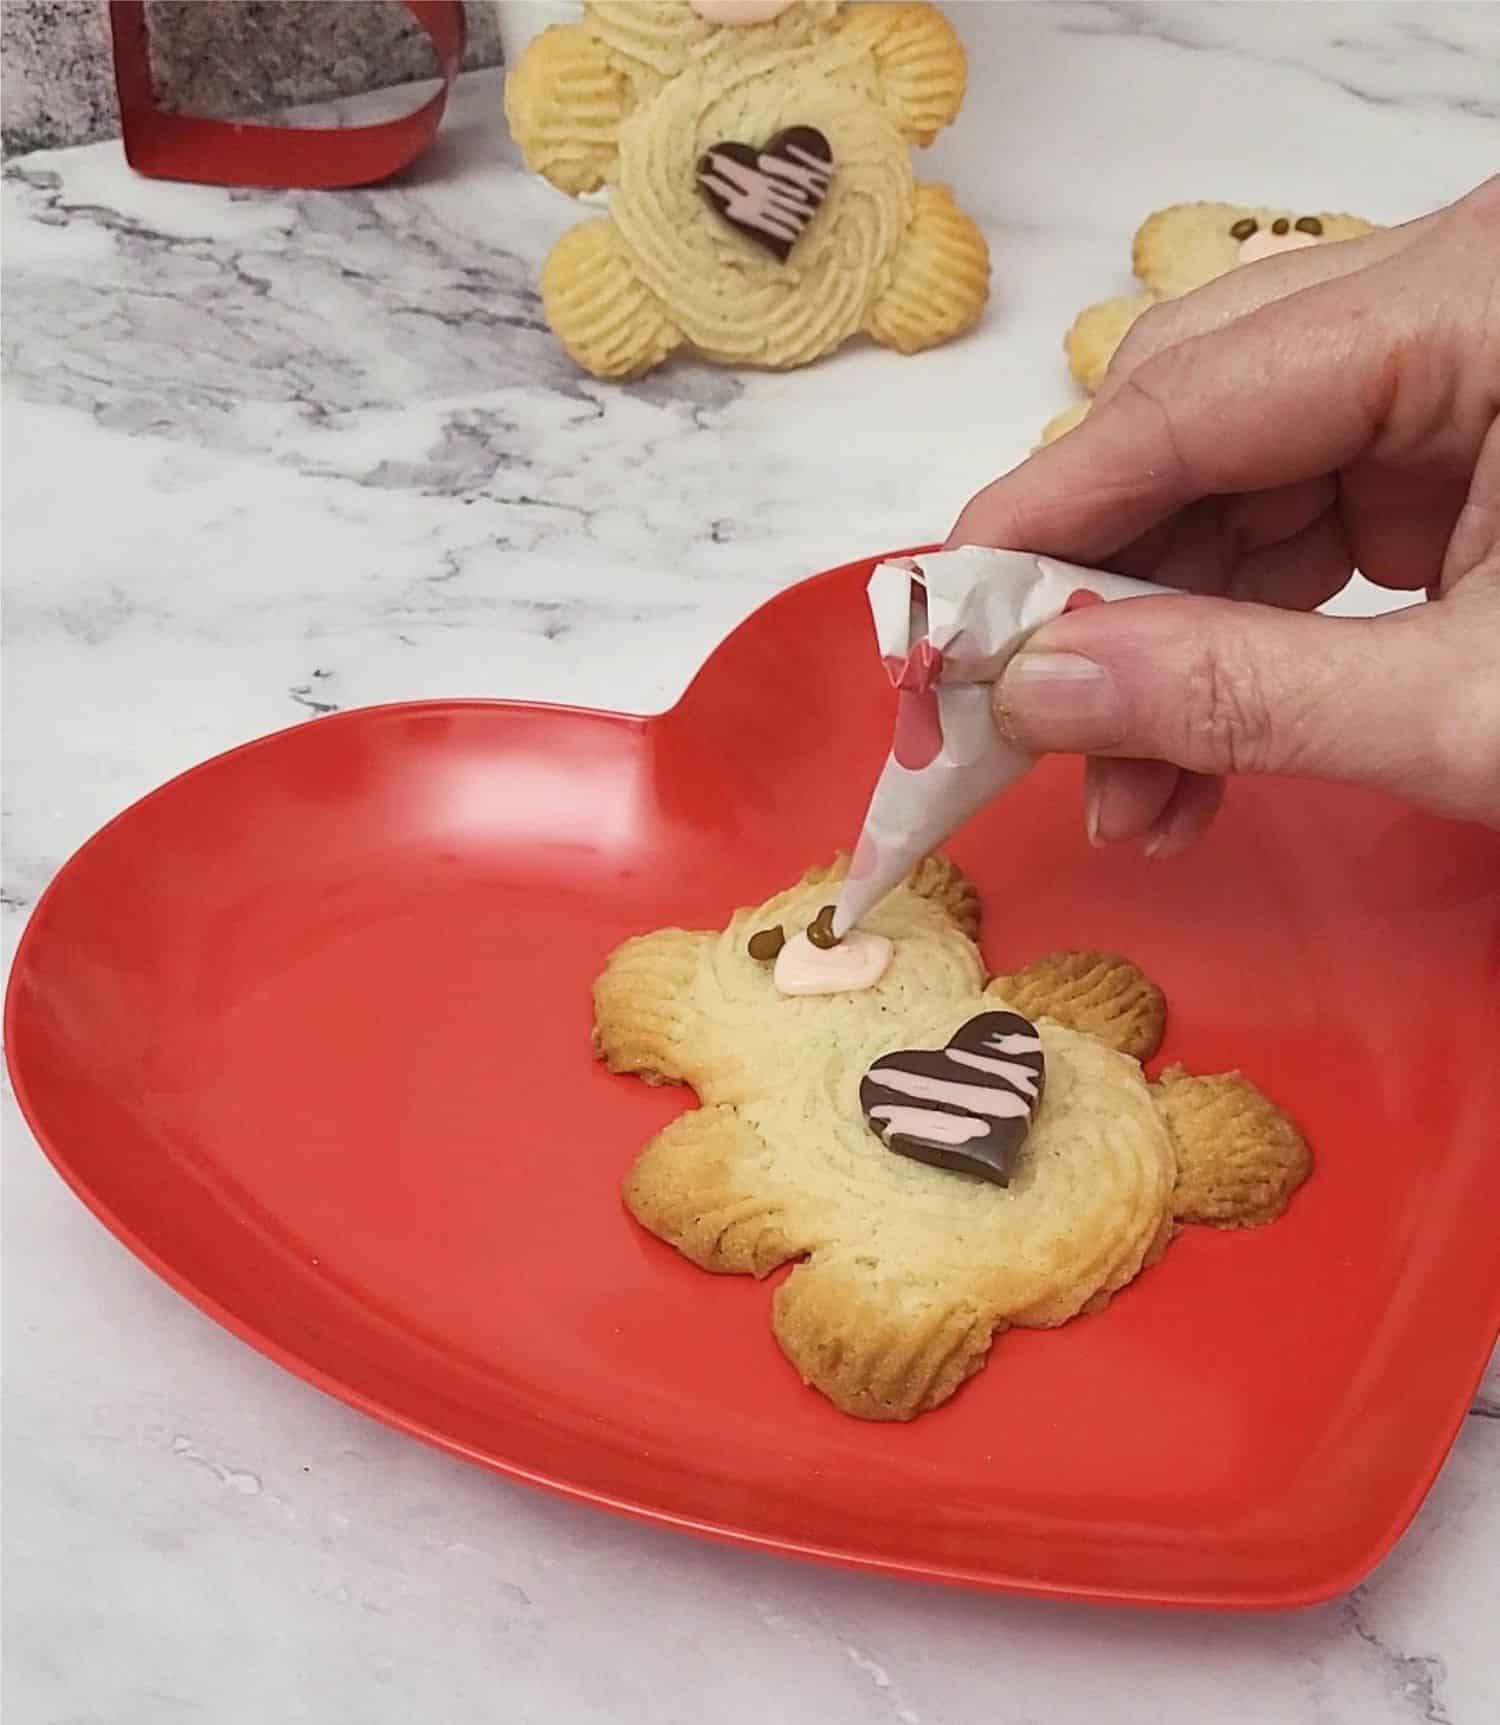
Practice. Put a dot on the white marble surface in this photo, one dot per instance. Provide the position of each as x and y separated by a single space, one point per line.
269 455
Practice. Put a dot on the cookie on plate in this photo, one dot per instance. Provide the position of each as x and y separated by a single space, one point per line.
762 205
1175 251
833 1131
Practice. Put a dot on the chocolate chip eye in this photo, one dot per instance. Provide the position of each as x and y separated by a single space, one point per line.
1309 225
1243 228
765 945
1280 226
820 929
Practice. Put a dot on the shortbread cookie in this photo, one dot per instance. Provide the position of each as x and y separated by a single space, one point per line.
906 1270
1179 249
763 208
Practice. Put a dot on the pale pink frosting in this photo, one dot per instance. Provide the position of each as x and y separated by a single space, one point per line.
858 961
779 196
1264 244
928 1123
737 12
977 1098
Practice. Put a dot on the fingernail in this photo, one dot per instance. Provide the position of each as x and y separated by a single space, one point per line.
1091 798
1059 702
1165 841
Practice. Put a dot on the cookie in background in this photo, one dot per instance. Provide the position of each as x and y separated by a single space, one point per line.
763 209
1179 249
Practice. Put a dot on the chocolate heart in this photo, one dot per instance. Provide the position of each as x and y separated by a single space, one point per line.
967 1106
771 194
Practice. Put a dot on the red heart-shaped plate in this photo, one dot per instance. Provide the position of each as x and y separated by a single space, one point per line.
308 1029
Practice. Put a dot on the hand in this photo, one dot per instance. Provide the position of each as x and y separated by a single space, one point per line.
1332 408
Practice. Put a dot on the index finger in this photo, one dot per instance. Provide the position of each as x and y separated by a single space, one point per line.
1293 390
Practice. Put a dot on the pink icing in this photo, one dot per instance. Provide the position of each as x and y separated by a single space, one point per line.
928 1123
737 12
1264 244
858 961
1012 1071
977 1098
778 196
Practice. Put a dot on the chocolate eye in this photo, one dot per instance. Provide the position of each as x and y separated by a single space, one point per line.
766 945
1243 228
1309 225
1280 225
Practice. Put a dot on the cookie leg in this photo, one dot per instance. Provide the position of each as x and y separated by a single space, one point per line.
1099 993
879 1345
700 1186
940 277
598 309
1239 1158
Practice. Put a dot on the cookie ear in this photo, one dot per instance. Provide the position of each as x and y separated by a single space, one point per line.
1239 1157
1099 993
565 101
643 1017
700 1186
878 1349
946 885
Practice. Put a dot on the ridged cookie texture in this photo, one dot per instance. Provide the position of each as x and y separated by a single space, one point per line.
1097 992
1239 1158
905 1272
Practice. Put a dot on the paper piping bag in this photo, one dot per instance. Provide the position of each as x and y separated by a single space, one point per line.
947 625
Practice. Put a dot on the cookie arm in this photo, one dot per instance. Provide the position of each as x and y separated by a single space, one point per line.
565 101
643 1022
1239 1157
919 60
1099 993
1097 331
698 1186
940 277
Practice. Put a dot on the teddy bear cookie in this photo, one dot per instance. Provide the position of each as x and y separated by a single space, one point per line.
940 1154
1175 251
762 204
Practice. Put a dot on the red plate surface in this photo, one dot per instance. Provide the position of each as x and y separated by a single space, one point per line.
308 1029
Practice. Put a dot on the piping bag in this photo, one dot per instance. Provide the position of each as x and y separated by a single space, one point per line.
948 624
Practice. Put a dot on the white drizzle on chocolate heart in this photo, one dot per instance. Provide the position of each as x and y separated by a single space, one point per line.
968 1106
773 193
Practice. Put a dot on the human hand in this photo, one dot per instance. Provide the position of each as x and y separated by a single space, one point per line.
1255 442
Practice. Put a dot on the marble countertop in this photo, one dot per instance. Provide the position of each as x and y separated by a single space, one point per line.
271 455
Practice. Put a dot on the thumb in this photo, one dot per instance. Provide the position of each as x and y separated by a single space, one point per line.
1225 686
